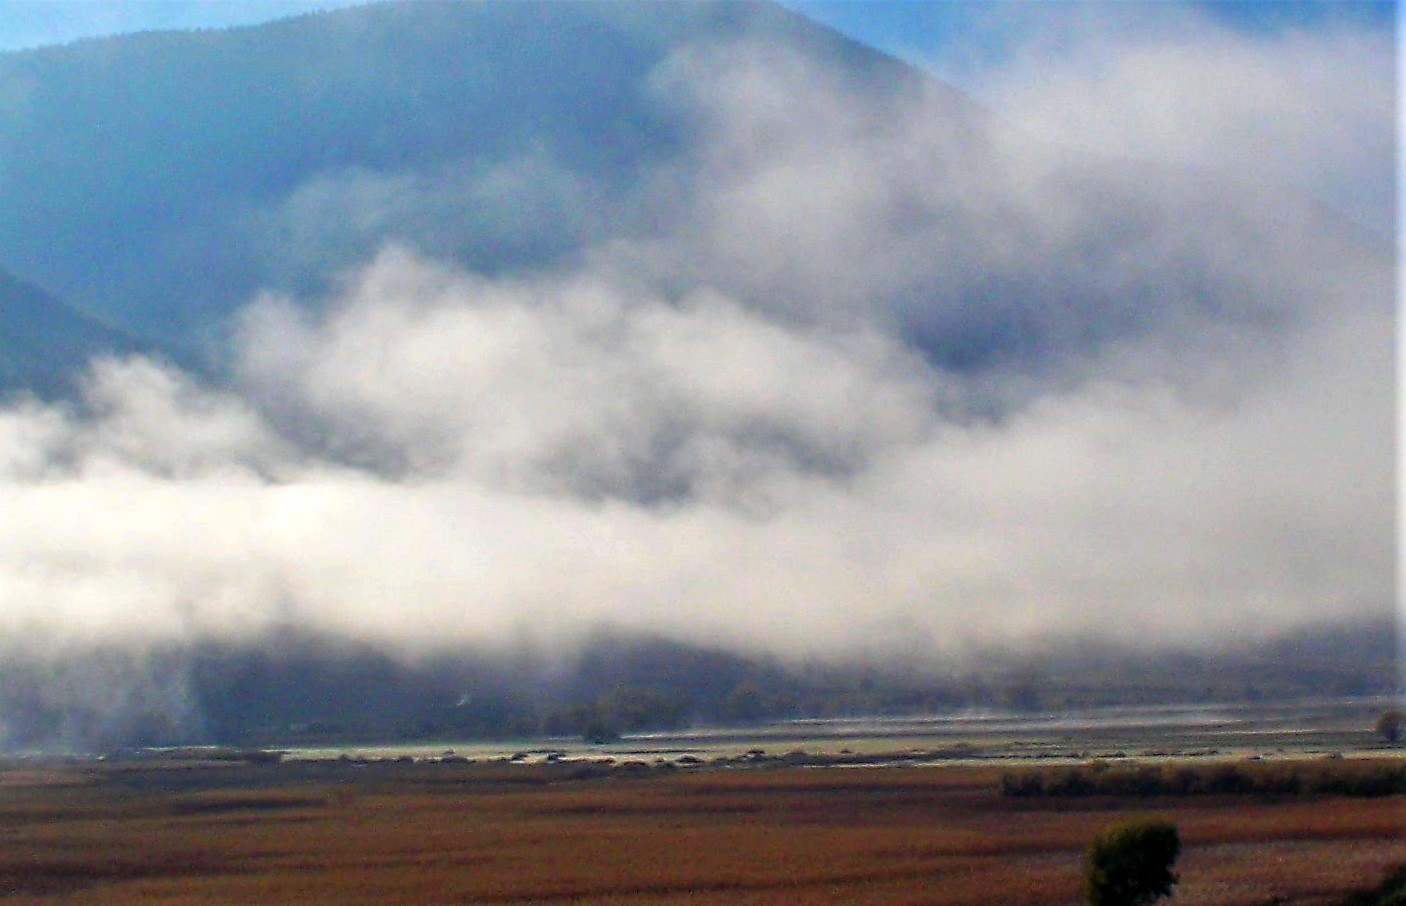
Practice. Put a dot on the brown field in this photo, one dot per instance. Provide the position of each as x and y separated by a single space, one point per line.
499 833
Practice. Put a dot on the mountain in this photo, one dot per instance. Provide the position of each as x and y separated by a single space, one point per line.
162 179
45 343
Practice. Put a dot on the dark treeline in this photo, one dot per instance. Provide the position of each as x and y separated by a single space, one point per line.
1324 777
297 687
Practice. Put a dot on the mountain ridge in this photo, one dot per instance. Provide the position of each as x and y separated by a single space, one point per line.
513 138
216 125
45 344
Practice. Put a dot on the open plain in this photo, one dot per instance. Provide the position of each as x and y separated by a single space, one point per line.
201 831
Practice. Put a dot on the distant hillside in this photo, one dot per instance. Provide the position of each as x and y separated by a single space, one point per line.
296 686
45 343
163 178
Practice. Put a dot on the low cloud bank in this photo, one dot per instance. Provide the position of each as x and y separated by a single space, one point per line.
880 388
441 460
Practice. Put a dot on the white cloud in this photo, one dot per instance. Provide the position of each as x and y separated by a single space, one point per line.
817 500
574 386
758 427
1312 106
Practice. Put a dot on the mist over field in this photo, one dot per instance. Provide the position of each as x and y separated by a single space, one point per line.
744 337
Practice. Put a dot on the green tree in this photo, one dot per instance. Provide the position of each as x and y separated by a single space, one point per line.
1131 864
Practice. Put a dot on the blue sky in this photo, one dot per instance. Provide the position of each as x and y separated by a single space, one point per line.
949 35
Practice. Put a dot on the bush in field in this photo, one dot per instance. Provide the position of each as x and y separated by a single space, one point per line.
1069 782
1229 779
1181 780
1131 864
1132 780
1022 783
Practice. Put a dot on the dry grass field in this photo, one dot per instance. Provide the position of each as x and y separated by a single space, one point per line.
428 834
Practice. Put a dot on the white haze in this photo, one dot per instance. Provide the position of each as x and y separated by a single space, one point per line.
727 432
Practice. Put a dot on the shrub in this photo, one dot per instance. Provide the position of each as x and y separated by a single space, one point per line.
1324 777
1069 782
1228 778
1022 783
1131 864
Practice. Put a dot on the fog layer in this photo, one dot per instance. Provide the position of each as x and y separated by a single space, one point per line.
871 384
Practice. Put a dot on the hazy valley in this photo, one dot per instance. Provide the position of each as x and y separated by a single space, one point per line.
486 370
